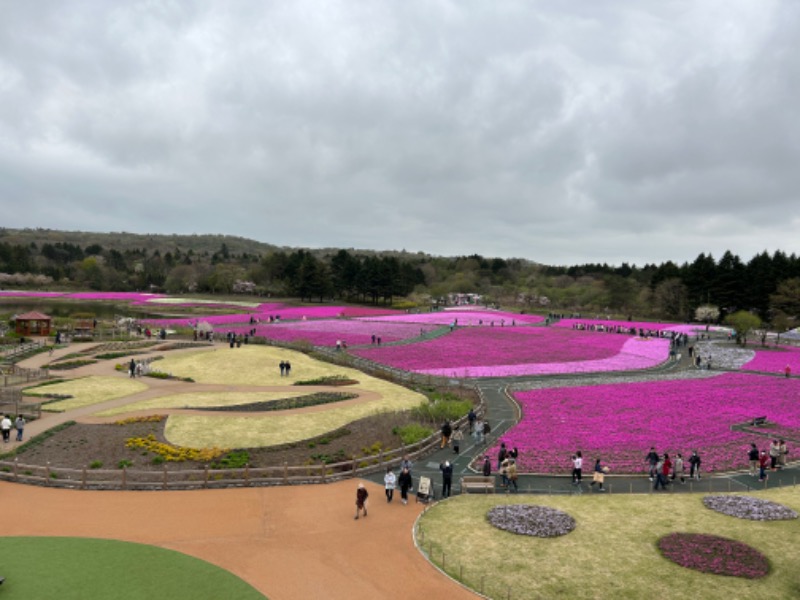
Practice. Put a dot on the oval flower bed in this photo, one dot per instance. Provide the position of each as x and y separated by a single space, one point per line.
713 554
526 519
748 507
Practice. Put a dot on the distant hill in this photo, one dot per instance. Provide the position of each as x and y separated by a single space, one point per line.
121 241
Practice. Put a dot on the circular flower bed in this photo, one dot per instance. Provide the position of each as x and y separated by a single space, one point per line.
748 507
713 554
526 519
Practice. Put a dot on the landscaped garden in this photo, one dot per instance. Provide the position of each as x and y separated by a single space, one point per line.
622 546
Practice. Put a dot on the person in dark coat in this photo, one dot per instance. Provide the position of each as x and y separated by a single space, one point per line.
361 499
487 466
447 478
405 482
447 431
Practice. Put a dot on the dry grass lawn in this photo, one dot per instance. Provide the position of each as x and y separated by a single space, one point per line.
612 552
276 428
202 400
87 391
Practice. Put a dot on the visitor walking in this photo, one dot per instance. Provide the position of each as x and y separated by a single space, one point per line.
282 367
389 482
678 468
447 478
487 466
406 483
447 431
511 473
752 456
19 424
783 452
457 437
763 461
132 368
694 465
501 454
652 460
471 418
5 425
774 453
577 468
361 500
599 475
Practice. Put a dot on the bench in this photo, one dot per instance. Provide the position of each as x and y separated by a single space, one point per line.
478 483
759 421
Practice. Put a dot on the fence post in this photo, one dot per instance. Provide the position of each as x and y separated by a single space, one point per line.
285 472
443 560
47 473
165 477
124 477
16 469
247 474
205 477
83 479
322 467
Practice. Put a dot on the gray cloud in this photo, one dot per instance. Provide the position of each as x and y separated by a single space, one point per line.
609 132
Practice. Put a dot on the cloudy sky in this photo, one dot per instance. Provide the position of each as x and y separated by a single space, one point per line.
562 132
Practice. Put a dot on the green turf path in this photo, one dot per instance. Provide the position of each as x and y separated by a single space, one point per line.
81 568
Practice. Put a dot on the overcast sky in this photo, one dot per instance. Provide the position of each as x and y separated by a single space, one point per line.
562 132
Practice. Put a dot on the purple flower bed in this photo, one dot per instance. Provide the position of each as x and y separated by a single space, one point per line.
324 332
463 318
619 422
509 351
714 554
527 519
748 507
775 361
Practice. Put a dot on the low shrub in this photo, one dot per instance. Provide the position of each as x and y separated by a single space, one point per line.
412 433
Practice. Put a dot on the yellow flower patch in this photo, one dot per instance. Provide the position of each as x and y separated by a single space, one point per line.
172 453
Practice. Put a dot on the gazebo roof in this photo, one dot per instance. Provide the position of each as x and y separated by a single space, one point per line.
33 316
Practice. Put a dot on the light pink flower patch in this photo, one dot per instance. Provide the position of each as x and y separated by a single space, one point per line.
508 351
620 422
326 332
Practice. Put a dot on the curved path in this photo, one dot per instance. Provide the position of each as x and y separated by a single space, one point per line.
292 543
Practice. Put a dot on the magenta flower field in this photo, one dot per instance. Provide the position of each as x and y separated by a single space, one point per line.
620 422
463 318
513 351
326 332
775 361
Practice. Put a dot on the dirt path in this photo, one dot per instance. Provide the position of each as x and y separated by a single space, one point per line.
291 543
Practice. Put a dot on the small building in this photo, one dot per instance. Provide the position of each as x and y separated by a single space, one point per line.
33 323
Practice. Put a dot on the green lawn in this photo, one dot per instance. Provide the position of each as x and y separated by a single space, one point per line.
42 568
611 553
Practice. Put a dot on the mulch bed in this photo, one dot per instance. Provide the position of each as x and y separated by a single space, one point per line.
81 445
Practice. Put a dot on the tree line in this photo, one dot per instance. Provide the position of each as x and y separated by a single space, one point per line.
768 285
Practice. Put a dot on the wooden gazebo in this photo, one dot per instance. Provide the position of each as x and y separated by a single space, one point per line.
33 323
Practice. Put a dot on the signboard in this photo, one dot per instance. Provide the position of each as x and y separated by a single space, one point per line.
424 489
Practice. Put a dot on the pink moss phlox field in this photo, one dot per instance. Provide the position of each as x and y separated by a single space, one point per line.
512 351
472 318
775 361
619 422
326 332
687 328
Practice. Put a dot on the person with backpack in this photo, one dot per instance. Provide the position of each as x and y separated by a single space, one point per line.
694 465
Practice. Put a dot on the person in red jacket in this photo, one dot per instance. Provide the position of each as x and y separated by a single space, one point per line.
763 461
